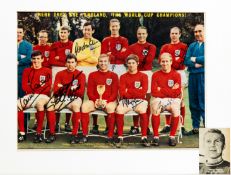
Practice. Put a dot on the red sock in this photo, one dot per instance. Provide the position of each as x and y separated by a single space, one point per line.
57 118
182 112
95 118
85 122
40 121
174 125
168 119
75 122
68 117
155 124
111 124
106 121
143 124
21 121
120 123
51 121
136 120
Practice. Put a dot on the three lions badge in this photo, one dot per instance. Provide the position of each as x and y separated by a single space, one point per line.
137 84
170 83
108 81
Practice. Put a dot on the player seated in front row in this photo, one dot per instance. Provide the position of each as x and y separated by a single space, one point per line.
102 91
69 87
133 87
36 82
166 92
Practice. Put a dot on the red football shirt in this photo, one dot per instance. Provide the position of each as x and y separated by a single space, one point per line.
146 53
176 50
68 79
166 81
60 49
133 86
37 81
45 49
109 79
115 45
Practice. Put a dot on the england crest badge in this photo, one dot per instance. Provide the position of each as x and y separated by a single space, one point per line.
46 54
170 83
75 82
42 78
137 84
177 53
118 47
108 81
145 52
67 51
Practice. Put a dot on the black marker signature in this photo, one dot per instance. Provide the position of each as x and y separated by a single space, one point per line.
133 102
163 107
113 67
85 46
36 87
61 95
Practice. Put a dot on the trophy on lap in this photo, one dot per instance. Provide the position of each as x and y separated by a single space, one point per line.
101 90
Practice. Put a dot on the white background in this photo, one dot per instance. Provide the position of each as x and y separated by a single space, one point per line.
164 161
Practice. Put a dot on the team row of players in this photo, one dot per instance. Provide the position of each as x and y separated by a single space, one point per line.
88 49
102 91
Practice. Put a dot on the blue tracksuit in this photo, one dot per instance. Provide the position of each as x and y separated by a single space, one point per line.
24 61
196 86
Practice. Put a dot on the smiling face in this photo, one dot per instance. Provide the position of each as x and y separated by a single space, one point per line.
213 145
103 63
114 28
87 32
199 33
142 35
71 64
165 62
37 61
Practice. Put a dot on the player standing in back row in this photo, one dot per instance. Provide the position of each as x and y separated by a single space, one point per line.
146 53
177 49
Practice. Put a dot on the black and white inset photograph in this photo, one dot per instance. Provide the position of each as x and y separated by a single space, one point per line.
214 148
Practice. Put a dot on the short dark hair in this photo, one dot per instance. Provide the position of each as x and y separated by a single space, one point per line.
217 131
36 53
71 56
20 26
89 23
132 57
